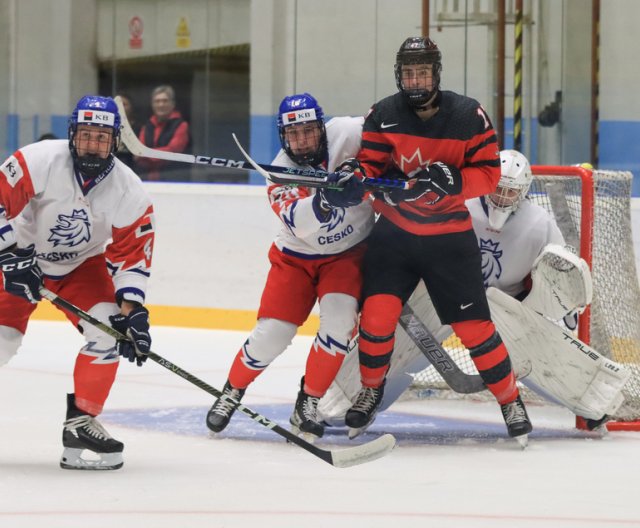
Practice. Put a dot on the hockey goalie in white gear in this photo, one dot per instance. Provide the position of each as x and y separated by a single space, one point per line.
515 179
546 357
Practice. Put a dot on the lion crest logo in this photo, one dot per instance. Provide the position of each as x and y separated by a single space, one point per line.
71 230
336 217
491 266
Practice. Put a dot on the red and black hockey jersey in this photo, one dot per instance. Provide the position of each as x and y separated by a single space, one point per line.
397 143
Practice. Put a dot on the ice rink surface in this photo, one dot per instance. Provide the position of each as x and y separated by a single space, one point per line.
453 467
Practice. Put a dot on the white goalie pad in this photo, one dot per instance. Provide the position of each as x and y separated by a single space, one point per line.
406 359
561 283
562 368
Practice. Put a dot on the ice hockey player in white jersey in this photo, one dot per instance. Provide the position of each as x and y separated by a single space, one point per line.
515 236
316 256
508 252
76 220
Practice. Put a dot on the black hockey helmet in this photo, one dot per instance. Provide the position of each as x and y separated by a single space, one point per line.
418 50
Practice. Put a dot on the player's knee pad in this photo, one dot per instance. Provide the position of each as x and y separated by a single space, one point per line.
380 314
268 340
10 341
338 316
96 339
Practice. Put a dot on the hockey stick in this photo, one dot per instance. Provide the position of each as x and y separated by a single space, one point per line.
380 183
458 380
341 458
286 175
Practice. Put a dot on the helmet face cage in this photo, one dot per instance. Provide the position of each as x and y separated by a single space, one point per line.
418 50
515 180
296 110
95 111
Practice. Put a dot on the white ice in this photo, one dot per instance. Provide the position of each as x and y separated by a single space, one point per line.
453 467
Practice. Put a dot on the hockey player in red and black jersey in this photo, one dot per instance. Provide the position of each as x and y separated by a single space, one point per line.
445 146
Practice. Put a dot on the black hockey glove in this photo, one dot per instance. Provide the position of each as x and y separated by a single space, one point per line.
136 326
429 185
351 192
21 274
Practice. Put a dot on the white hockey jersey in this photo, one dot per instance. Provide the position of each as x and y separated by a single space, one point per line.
508 254
43 201
303 233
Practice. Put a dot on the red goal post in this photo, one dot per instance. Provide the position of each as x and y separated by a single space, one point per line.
586 223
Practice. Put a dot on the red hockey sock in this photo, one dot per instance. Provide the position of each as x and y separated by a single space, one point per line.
380 315
241 376
92 382
321 370
490 357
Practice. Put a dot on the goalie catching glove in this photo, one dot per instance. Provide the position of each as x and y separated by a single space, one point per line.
428 185
561 283
350 191
21 274
136 327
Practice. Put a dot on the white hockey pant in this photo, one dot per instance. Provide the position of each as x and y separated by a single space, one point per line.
96 340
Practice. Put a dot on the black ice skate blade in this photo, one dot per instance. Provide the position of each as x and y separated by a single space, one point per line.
72 459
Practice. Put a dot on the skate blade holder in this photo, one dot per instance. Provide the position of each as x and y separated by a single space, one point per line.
73 458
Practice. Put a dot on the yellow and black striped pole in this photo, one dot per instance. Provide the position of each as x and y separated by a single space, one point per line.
595 83
517 81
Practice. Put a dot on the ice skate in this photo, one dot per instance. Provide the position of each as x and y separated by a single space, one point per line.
304 420
599 425
87 445
362 413
221 412
517 420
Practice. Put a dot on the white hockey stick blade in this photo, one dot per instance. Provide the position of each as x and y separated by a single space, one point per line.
278 178
356 455
257 167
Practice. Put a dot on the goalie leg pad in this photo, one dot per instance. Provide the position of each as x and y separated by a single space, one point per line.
563 368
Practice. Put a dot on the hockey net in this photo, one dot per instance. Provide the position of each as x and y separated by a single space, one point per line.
593 211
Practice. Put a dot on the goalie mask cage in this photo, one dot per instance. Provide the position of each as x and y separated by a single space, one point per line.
593 211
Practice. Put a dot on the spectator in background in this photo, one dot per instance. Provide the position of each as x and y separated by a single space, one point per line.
47 135
123 153
165 130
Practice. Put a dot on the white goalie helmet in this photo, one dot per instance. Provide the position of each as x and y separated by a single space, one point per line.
515 180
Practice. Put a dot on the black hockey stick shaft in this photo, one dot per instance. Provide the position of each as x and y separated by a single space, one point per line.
344 458
458 380
308 177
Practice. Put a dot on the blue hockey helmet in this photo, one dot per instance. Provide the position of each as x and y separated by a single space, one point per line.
98 111
301 109
418 50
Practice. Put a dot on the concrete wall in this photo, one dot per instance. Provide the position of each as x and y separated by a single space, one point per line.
168 26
